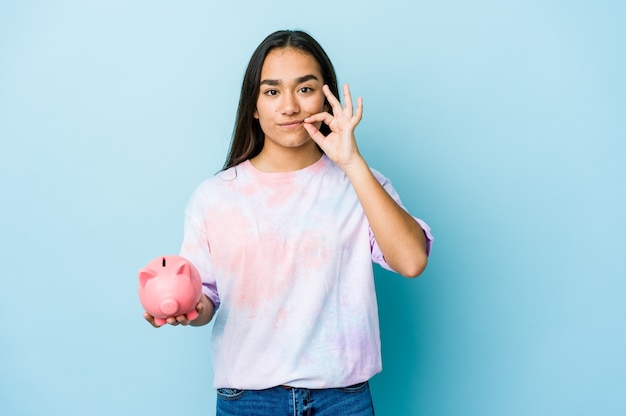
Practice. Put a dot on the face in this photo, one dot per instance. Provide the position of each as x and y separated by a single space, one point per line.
290 91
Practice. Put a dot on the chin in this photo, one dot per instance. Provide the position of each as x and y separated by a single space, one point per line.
295 143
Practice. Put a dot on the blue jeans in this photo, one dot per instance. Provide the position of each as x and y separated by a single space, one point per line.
280 401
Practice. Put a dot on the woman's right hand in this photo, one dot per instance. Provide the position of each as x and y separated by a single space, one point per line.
205 310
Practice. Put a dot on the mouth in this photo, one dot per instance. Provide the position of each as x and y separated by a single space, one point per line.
291 124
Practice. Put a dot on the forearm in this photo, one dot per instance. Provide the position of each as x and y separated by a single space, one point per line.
399 236
205 310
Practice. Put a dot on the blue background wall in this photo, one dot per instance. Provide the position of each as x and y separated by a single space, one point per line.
501 123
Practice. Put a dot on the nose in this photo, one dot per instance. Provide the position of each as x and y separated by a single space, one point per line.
289 104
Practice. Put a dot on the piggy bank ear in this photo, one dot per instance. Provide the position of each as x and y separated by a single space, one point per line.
145 275
183 269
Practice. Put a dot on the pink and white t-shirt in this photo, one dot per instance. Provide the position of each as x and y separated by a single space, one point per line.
287 259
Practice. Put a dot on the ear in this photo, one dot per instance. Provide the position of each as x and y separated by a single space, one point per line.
145 275
183 269
256 113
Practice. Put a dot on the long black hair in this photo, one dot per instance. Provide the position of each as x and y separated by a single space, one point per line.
248 138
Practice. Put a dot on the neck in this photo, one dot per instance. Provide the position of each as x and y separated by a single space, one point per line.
286 159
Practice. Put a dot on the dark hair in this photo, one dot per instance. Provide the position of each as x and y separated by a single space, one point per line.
248 138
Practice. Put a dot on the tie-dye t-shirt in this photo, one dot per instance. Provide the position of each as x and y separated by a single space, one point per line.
287 259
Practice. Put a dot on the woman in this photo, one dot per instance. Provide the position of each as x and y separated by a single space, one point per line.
284 238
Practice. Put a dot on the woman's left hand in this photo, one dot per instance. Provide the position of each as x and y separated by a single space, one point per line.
340 144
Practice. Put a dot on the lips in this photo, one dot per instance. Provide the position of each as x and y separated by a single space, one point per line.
291 123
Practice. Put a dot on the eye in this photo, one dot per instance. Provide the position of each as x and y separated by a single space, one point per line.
271 93
306 90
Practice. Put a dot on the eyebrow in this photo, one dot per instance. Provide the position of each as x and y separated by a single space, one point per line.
299 80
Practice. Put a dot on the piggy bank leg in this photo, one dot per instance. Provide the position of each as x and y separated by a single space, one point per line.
159 321
192 315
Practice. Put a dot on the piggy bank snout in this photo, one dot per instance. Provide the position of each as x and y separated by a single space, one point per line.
170 307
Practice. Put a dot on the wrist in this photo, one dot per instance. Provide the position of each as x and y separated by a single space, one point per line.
206 310
355 168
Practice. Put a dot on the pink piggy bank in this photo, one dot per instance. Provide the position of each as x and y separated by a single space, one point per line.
170 286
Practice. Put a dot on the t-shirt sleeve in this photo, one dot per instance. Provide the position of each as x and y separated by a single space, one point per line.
377 255
196 249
